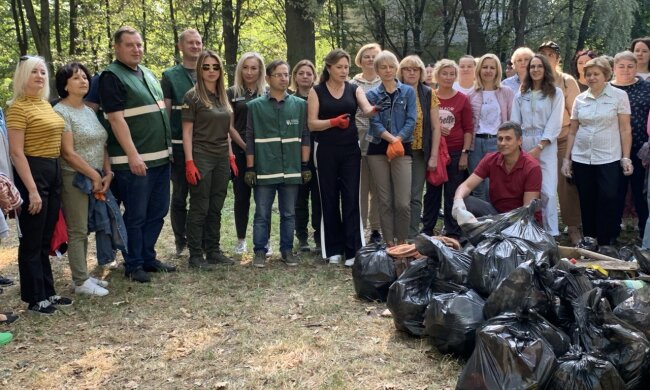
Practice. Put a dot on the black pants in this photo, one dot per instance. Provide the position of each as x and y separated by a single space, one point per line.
178 209
432 199
306 191
637 185
36 280
598 192
338 170
242 193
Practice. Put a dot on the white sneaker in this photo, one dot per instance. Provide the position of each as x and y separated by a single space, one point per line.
269 249
349 262
113 265
90 288
335 260
100 283
240 248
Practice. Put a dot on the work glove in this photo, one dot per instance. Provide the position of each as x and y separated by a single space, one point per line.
383 104
627 166
460 213
394 150
250 177
192 174
233 165
566 168
342 121
305 172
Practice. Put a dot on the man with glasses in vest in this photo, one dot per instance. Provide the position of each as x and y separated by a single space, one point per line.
277 154
139 148
176 81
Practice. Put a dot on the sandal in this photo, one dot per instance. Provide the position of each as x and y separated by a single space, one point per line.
4 282
7 317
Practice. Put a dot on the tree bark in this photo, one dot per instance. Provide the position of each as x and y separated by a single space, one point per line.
57 26
584 24
231 27
41 34
475 34
172 16
300 31
519 16
109 33
19 25
74 30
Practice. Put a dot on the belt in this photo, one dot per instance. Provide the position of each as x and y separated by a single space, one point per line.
485 136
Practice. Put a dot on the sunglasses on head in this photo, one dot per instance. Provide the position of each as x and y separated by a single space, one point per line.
25 58
214 67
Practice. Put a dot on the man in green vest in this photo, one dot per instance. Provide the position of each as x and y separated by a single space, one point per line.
139 148
176 81
277 153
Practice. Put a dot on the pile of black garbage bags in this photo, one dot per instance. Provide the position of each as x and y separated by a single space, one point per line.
521 317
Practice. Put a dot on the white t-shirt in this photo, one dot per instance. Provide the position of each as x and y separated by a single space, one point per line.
458 88
644 76
490 116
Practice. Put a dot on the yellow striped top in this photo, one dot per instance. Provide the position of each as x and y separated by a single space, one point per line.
42 126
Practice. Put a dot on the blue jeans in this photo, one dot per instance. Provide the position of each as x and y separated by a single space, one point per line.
264 197
146 201
482 146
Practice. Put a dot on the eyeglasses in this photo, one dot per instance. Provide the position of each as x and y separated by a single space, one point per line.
215 67
280 75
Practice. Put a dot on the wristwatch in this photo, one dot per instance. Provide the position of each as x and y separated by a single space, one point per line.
540 146
465 151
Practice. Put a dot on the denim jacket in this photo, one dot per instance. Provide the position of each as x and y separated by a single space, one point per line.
399 120
105 219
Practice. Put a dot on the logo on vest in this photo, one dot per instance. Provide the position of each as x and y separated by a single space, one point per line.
292 122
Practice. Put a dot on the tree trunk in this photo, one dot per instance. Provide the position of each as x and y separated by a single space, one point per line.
177 54
584 24
109 33
41 34
450 22
230 37
475 34
519 15
19 25
300 32
57 26
74 30
143 30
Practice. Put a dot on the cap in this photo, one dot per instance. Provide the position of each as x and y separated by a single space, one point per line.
551 45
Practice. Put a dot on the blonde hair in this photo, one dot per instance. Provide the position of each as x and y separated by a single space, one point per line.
444 63
521 51
364 48
21 76
385 56
602 63
238 86
625 55
201 90
412 61
300 64
478 82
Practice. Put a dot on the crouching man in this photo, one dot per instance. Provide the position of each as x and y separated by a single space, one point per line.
515 179
277 153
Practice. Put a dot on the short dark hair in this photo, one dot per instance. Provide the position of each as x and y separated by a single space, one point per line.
65 72
117 36
510 125
274 64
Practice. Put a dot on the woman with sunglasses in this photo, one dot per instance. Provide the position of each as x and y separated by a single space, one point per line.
34 131
206 122
249 84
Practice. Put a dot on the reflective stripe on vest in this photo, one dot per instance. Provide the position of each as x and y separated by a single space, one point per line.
277 139
279 175
145 157
148 109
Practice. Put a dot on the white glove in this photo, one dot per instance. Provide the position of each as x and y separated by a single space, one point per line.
566 168
460 213
628 168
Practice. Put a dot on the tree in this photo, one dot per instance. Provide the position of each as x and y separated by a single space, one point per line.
299 29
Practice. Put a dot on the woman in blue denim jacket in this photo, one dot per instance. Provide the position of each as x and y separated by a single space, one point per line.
389 151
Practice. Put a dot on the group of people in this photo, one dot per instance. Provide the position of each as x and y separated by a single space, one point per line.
361 150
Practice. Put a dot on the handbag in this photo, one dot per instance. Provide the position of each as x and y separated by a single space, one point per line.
439 175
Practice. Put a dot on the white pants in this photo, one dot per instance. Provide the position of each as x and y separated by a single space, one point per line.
548 163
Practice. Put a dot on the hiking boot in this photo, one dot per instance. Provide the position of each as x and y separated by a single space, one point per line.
138 275
259 260
42 307
240 248
304 245
220 259
289 259
158 266
90 288
198 262
58 300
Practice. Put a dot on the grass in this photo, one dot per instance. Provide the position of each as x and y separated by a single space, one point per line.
236 328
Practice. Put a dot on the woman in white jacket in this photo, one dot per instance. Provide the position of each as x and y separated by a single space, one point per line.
538 107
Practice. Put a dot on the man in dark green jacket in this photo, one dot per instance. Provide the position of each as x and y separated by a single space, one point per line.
277 153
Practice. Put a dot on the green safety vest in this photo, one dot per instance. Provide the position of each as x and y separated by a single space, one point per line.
146 116
181 82
278 139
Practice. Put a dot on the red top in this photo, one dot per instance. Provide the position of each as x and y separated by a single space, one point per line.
507 189
456 113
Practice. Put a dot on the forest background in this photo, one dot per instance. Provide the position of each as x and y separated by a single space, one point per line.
64 30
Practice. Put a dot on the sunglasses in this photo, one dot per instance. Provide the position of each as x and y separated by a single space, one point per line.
214 67
25 58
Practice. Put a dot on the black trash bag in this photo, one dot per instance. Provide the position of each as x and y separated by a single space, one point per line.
452 265
627 253
409 296
636 311
588 243
617 291
642 257
451 321
600 333
373 272
581 371
526 288
509 354
496 257
569 284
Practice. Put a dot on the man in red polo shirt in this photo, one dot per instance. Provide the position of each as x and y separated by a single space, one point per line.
515 179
